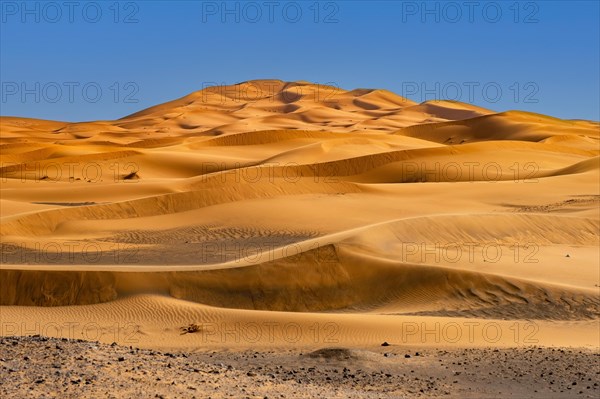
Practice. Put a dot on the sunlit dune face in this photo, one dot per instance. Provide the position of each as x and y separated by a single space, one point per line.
302 199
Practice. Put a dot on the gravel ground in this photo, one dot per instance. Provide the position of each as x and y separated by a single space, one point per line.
40 367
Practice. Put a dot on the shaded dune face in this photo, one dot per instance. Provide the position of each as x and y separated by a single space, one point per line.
55 288
291 196
315 281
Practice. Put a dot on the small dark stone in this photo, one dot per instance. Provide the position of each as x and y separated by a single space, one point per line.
406 356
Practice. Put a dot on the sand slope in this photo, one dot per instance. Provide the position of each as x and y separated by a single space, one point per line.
290 202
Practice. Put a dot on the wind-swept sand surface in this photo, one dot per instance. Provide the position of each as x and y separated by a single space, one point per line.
291 215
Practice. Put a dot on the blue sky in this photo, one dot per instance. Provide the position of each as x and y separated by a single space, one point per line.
104 60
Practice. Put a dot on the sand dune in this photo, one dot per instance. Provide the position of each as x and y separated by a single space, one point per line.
290 202
512 125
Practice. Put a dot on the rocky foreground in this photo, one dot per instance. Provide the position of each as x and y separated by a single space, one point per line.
40 367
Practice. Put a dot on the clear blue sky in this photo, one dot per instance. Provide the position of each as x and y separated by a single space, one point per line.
543 56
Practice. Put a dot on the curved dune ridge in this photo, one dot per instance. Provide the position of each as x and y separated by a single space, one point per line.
301 199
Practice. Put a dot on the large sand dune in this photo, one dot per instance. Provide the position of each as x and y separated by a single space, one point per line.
359 215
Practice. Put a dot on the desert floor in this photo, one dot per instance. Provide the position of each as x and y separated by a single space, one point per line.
43 367
288 217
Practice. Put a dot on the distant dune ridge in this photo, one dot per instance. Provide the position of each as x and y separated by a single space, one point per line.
359 208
